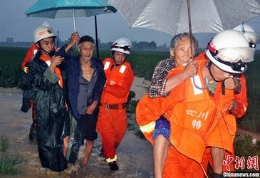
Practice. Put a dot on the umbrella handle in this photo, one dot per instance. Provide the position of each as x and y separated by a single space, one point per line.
74 21
74 24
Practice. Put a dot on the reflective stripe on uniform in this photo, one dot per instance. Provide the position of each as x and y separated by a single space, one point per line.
245 108
148 127
109 160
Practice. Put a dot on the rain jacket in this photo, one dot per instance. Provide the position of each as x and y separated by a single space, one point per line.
196 117
49 104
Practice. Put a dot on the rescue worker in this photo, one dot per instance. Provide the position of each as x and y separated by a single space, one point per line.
200 106
27 102
253 38
46 84
112 119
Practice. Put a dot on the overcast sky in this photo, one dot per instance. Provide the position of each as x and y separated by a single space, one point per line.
14 23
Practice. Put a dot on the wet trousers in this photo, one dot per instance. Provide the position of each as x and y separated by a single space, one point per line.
111 125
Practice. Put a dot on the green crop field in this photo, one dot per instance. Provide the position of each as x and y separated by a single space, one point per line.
143 63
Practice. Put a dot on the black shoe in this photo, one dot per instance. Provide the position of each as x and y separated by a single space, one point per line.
113 166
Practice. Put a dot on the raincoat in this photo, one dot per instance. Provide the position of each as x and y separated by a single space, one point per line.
49 105
112 119
196 119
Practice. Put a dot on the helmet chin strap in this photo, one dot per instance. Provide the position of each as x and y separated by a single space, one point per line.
49 53
209 65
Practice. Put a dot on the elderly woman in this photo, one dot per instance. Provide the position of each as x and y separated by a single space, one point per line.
182 50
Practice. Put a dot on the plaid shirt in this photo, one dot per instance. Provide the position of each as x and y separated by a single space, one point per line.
159 80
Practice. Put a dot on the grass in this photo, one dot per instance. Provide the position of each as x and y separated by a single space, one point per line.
8 161
4 143
247 149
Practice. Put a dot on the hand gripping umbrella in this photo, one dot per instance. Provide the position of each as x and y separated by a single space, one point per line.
71 8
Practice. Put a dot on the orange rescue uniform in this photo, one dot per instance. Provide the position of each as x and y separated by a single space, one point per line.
197 120
29 55
112 119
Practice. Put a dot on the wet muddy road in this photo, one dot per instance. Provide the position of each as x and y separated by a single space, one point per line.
134 154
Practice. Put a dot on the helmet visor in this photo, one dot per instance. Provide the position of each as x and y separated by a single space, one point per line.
244 54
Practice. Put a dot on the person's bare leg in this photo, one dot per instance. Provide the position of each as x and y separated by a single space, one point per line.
217 158
65 145
88 149
160 151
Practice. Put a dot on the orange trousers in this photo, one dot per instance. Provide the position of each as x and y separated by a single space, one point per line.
111 125
181 166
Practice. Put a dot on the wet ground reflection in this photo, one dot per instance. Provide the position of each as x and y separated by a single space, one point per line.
134 154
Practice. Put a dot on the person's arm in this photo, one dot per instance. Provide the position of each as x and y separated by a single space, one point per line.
161 85
123 89
159 80
66 50
41 79
73 40
55 61
240 102
189 71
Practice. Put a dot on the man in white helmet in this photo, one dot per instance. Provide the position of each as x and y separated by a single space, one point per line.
112 119
27 102
241 95
199 109
46 86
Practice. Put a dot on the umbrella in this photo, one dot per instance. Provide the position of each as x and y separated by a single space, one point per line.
71 8
176 16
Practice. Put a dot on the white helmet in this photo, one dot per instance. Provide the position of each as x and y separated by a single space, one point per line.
122 45
229 50
248 32
252 37
42 32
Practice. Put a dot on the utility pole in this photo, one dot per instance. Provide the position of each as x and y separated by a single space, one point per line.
58 38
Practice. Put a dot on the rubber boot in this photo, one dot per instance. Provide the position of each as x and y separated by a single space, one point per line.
113 166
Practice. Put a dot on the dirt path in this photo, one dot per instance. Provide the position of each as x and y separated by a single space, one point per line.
134 154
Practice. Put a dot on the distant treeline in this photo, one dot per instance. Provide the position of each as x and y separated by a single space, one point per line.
140 46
